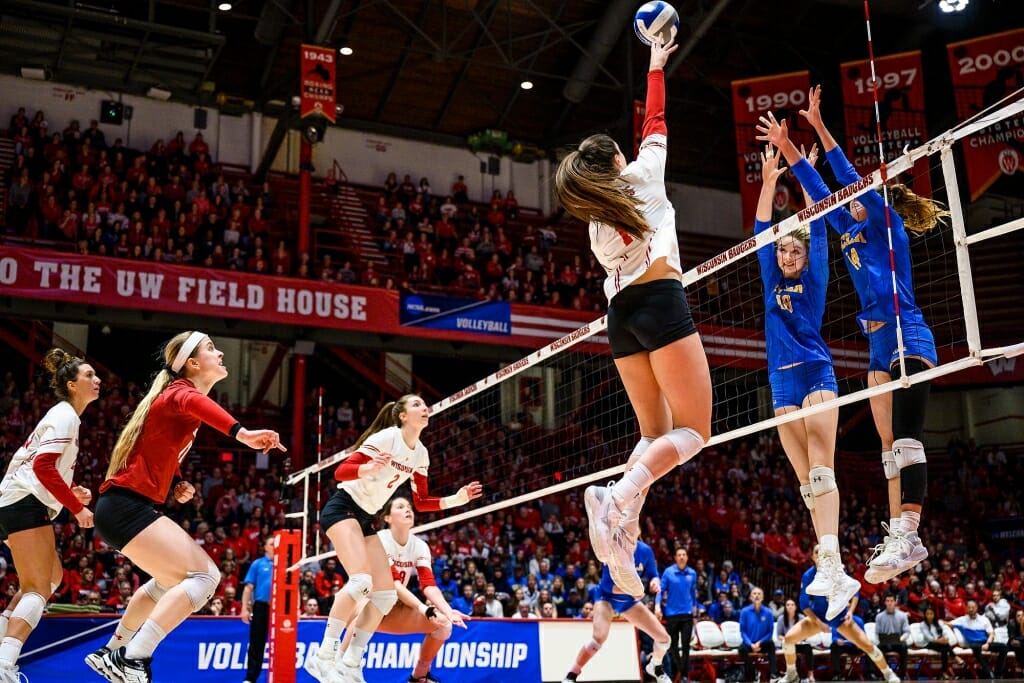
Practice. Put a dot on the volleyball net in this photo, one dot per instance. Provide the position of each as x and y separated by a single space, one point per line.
559 418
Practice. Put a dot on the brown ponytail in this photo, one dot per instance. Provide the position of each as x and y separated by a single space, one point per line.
920 215
389 416
63 368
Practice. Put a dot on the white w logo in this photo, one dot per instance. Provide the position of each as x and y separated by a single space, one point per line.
1001 365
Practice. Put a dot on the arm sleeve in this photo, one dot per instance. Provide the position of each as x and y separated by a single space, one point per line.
426 577
838 219
348 470
654 119
650 162
817 272
846 173
45 468
206 409
421 497
766 257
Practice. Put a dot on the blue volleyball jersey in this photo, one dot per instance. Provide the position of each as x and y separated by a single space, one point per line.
646 567
794 307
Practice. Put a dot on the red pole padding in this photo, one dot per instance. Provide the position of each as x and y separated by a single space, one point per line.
284 607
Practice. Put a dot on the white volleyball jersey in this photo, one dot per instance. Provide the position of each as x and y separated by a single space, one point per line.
624 257
406 560
57 432
372 492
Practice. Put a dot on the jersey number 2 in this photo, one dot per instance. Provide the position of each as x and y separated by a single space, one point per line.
394 479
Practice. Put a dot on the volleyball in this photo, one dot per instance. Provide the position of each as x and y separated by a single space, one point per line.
656 21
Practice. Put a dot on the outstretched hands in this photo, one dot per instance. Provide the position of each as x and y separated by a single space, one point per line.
813 111
770 168
772 130
812 156
660 53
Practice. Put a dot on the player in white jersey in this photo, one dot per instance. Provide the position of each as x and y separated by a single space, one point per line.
408 555
654 341
37 485
388 454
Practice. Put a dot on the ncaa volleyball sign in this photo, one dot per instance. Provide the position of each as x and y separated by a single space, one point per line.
656 21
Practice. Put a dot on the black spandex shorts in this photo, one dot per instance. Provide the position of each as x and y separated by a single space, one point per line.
341 507
27 513
648 316
121 515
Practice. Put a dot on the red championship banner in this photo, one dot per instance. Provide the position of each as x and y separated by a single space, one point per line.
900 113
639 112
985 70
318 75
784 95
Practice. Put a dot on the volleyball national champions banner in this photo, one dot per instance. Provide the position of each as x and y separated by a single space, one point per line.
900 113
317 77
784 95
985 70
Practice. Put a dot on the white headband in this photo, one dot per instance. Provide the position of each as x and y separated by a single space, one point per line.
186 350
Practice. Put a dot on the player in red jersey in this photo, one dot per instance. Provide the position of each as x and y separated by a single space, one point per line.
388 454
34 490
144 468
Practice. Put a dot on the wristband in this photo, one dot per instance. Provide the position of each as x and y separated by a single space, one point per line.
455 500
235 428
430 613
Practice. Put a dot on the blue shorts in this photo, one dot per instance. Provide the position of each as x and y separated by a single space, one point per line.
792 385
917 341
620 602
834 623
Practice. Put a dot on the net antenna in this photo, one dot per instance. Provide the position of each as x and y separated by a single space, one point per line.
965 352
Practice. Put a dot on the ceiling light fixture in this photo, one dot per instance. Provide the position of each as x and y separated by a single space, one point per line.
345 51
224 7
952 6
526 85
34 73
159 94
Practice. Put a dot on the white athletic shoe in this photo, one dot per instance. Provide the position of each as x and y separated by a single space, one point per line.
900 552
790 676
622 565
347 673
94 660
660 678
825 574
320 668
891 677
11 674
600 511
844 587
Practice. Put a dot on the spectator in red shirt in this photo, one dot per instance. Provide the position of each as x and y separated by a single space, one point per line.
198 146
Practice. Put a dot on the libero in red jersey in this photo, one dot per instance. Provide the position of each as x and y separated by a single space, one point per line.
144 470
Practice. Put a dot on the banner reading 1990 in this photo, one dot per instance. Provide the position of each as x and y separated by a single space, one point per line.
985 70
784 95
900 109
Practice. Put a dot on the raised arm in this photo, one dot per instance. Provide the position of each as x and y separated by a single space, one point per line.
770 172
813 116
424 502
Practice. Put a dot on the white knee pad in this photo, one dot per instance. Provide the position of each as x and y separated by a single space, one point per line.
892 470
359 586
30 609
154 590
908 452
788 648
687 442
200 586
823 480
808 495
384 600
592 646
641 446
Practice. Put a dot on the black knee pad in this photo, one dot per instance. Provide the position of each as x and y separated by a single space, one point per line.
914 483
909 405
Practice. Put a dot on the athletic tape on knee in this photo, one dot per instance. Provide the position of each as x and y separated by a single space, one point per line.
889 466
687 442
788 648
823 480
808 495
384 600
641 446
908 452
200 586
154 590
592 646
359 586
30 609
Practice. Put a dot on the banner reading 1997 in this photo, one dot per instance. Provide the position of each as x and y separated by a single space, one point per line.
900 109
985 70
784 95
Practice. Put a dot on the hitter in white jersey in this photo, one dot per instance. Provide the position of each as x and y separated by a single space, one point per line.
388 454
37 485
408 555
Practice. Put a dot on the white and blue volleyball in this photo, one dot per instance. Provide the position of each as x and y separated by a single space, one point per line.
656 21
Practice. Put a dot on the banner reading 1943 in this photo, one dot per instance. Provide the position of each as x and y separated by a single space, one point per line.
900 114
318 95
985 70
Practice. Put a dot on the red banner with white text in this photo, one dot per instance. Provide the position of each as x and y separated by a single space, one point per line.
318 96
784 95
985 70
900 113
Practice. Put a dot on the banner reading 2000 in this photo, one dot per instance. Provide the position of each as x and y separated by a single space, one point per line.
784 95
985 70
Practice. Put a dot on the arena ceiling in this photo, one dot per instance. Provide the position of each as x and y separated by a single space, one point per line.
443 69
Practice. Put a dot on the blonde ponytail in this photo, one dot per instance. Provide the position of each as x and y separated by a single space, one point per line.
920 215
130 434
